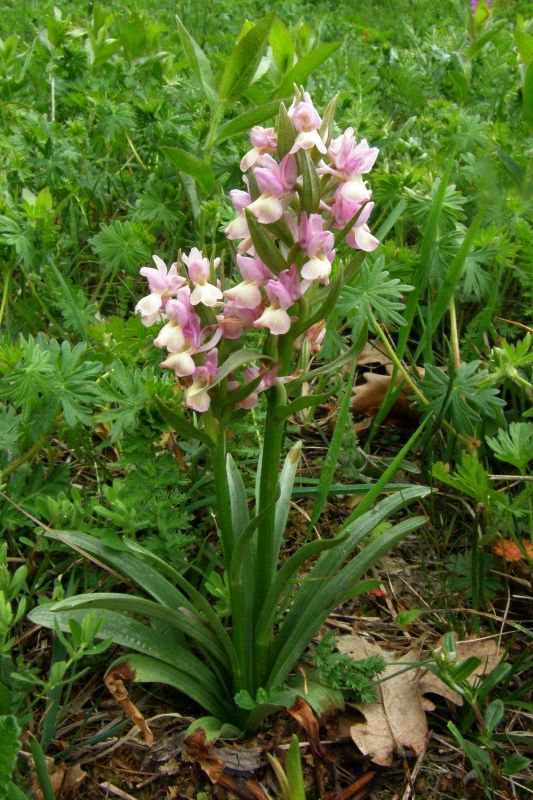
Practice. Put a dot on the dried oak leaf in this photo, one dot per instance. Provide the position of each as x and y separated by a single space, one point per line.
368 396
396 724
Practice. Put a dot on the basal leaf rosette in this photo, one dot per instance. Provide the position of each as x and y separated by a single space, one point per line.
302 192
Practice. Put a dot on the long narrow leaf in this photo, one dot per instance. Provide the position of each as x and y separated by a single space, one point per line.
181 620
327 597
180 425
286 483
131 634
198 62
329 563
200 604
244 60
334 449
127 565
240 513
146 669
193 166
305 66
247 120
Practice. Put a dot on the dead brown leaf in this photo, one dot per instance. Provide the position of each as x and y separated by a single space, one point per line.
212 763
114 681
368 396
303 714
396 725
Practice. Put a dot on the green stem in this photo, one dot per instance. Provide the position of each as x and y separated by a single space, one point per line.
265 561
225 526
407 378
23 458
240 619
210 141
454 335
5 294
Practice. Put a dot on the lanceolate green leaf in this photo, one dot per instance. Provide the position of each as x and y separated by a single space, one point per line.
326 597
240 514
300 404
328 469
237 359
198 62
146 669
134 635
180 425
280 584
179 619
305 66
328 564
247 120
310 191
264 245
193 166
283 503
244 60
127 565
200 604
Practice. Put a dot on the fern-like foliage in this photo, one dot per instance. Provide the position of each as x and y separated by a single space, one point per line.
373 295
54 375
122 245
464 397
340 671
514 446
124 389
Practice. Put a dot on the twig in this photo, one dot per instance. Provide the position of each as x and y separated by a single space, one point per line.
412 777
110 788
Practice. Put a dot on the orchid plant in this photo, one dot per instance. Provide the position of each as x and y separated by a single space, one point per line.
229 341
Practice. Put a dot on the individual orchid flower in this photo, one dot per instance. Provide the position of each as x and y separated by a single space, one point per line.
351 160
360 237
315 336
197 394
163 284
198 269
238 227
247 294
179 312
282 293
268 378
306 122
181 360
235 319
276 184
264 140
318 245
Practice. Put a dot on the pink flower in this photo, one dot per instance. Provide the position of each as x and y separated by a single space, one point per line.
360 237
236 319
198 269
282 293
264 140
315 336
163 284
349 157
196 395
350 161
193 342
276 184
246 294
240 199
318 244
306 122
